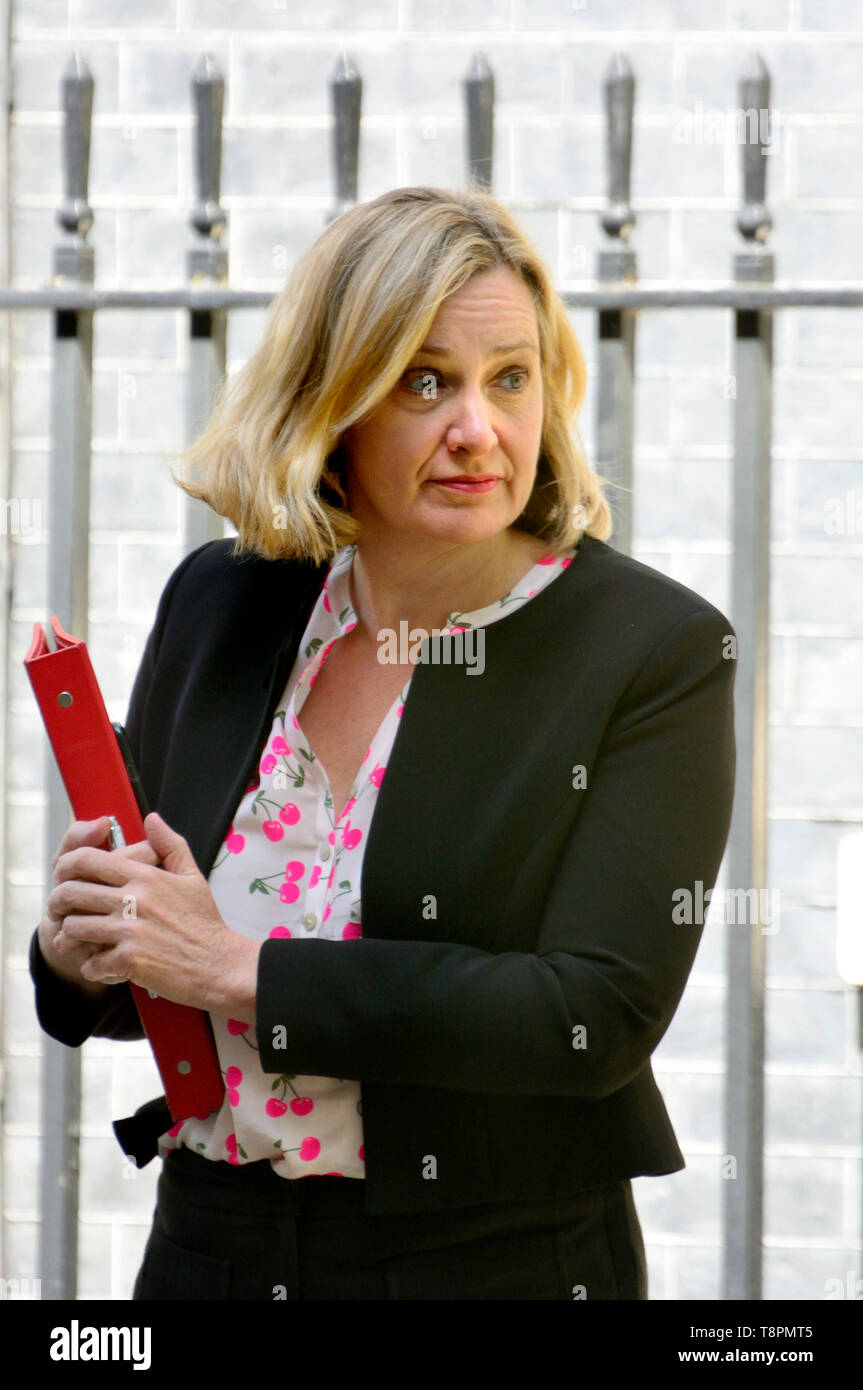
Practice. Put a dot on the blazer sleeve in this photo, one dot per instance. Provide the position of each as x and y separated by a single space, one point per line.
64 1011
581 1014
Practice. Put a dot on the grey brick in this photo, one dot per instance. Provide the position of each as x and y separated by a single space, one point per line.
802 858
152 406
30 572
809 1275
828 162
667 162
129 1243
157 79
823 76
39 14
35 160
611 14
21 1253
826 337
24 847
825 511
805 1026
135 159
817 589
108 385
24 768
133 492
276 162
152 245
831 14
265 246
94 1259
758 14
557 159
653 412
833 232
245 331
812 409
25 903
816 767
154 333
699 1273
144 571
700 489
103 1188
703 412
434 153
432 15
695 1103
114 14
698 1027
38 66
585 66
803 1197
805 945
812 1110
829 676
104 578
31 334
690 338
96 1113
22 1089
272 78
687 1202
291 15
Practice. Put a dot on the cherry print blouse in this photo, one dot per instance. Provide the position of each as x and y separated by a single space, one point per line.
286 868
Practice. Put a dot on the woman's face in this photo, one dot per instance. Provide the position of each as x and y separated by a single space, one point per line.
462 407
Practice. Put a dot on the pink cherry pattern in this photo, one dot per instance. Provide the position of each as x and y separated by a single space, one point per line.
289 870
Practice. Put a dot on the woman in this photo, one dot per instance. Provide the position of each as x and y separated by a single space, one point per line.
484 832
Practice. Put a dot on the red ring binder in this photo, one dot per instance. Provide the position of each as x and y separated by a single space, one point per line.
94 774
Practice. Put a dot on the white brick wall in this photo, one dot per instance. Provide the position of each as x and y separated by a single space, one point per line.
549 58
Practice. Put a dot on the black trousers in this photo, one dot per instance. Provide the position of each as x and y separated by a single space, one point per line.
241 1232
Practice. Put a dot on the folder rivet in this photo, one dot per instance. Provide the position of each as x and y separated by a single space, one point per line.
184 1068
64 699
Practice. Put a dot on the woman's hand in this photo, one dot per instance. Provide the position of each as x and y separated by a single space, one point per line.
155 923
67 964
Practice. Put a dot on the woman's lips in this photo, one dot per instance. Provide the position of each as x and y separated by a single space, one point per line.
477 485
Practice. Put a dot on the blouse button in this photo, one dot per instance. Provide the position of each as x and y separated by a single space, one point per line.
310 921
325 853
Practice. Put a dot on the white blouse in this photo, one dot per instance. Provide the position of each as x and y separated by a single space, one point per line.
286 868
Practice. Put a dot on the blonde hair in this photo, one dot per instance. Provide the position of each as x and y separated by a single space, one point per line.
337 339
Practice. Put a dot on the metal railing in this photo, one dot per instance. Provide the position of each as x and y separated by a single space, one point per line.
617 298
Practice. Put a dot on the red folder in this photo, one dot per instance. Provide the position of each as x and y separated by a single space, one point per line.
94 774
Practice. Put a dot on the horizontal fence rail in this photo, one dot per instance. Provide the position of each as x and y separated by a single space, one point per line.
751 293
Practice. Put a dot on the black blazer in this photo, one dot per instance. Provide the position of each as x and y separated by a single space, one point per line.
554 907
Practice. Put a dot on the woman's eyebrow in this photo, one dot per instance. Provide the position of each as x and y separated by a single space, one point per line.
499 350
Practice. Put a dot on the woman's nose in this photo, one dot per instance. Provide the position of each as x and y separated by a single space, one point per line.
470 424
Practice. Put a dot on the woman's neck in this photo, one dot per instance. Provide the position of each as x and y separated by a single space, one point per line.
391 584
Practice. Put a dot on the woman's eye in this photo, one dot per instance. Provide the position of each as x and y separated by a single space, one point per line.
428 383
423 382
516 372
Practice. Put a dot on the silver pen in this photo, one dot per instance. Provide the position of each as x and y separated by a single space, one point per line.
115 834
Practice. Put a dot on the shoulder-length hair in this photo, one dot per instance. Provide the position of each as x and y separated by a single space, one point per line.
338 337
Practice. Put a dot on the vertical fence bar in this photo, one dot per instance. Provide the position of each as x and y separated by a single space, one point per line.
68 597
346 101
750 610
479 125
6 494
206 264
616 327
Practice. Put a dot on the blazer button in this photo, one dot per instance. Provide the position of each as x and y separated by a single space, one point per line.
310 921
